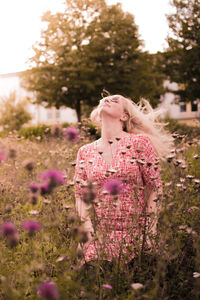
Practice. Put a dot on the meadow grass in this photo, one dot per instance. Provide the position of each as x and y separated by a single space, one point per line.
170 269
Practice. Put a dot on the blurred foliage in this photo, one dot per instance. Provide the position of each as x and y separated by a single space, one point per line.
183 129
34 131
181 61
13 113
41 130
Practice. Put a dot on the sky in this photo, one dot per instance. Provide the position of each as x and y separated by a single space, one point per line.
20 27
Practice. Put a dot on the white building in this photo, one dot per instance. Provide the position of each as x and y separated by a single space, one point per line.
188 113
11 83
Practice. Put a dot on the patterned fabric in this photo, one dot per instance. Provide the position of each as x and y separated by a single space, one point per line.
119 221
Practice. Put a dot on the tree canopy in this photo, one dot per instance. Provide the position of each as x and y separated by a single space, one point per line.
88 48
13 113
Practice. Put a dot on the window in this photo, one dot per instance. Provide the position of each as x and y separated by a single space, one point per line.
49 114
183 107
194 106
57 113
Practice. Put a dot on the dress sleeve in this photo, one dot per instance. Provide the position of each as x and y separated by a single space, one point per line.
80 177
149 165
80 181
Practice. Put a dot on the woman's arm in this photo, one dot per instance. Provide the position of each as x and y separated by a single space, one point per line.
152 207
82 210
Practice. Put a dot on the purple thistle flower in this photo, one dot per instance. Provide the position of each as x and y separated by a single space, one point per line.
34 198
44 188
48 290
113 186
8 229
33 187
32 226
55 177
71 134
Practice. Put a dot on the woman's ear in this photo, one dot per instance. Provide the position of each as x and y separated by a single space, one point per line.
124 117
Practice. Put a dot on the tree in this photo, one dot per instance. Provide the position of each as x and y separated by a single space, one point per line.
181 62
87 48
58 67
115 59
13 114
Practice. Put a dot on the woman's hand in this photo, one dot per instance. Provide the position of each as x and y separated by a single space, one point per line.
152 217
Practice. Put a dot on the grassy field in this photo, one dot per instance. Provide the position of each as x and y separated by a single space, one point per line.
30 257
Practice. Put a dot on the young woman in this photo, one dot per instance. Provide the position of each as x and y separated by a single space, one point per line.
117 178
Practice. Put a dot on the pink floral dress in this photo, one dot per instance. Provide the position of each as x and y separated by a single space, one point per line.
119 221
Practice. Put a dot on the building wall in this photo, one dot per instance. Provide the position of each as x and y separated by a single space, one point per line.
188 117
11 83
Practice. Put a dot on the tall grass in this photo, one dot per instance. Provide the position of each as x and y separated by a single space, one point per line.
169 269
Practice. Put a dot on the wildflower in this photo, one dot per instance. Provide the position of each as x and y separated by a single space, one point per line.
57 130
107 286
83 236
190 231
80 253
55 178
32 227
71 134
48 290
46 201
73 163
74 231
89 196
64 89
8 229
46 161
170 157
28 164
61 258
190 176
137 286
12 153
33 212
44 188
113 186
8 208
82 293
33 187
196 274
72 218
197 181
33 198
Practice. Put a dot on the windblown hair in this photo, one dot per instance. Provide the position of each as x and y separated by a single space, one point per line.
143 119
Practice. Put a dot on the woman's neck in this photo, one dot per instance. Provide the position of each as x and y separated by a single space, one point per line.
110 133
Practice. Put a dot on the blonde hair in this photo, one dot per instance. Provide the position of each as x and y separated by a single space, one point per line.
143 119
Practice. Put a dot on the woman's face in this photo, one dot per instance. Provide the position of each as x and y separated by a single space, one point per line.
111 106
